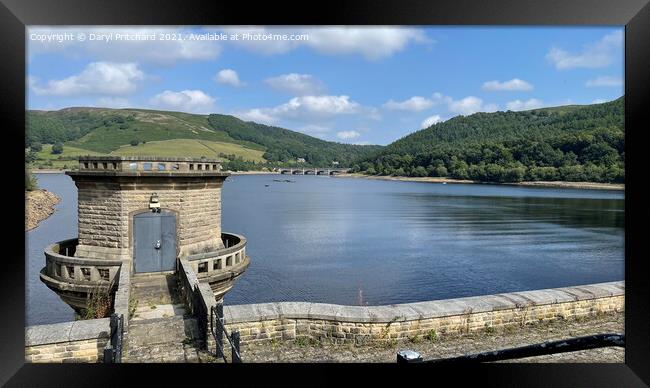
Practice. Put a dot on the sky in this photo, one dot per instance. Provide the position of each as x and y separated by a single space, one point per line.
351 84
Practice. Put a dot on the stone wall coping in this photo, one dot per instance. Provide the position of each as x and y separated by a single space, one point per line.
189 274
121 299
208 296
67 332
203 288
419 310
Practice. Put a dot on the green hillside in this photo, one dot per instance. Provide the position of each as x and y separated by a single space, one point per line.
190 148
570 143
245 145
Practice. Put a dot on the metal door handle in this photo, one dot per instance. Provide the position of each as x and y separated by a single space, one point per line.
157 244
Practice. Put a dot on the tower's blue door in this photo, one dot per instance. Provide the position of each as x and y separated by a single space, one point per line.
154 236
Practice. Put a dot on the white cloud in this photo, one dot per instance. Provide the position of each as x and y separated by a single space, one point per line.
371 42
599 101
348 135
228 77
605 81
517 105
413 104
98 78
305 108
594 55
464 106
514 84
429 121
257 115
193 101
162 52
327 105
470 105
296 84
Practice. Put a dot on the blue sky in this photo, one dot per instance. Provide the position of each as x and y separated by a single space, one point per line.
364 85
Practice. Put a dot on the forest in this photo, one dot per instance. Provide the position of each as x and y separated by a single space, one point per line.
568 143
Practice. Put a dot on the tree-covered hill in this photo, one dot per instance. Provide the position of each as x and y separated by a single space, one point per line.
143 132
569 143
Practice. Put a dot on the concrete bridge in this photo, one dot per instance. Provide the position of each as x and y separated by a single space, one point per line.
313 171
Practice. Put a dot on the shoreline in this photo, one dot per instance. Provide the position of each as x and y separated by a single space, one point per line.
40 204
48 171
545 184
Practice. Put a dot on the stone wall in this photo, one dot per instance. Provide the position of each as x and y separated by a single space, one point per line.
79 341
122 296
199 298
106 210
356 324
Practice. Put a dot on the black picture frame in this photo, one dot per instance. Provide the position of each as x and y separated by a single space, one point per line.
15 15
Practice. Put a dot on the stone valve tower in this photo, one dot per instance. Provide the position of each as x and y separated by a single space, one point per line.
142 214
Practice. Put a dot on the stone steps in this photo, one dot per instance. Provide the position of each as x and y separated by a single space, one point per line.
158 311
161 330
165 339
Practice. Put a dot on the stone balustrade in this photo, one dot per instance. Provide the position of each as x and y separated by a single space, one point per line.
97 164
222 263
62 266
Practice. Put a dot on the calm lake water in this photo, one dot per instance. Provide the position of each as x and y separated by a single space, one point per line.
360 241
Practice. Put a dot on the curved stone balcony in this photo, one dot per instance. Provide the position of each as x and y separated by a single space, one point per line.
221 268
73 278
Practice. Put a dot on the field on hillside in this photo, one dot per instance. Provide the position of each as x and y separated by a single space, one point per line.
45 158
189 148
107 139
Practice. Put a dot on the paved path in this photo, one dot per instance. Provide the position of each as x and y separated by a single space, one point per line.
160 329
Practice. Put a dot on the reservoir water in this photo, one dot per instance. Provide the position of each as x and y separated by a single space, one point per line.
372 242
